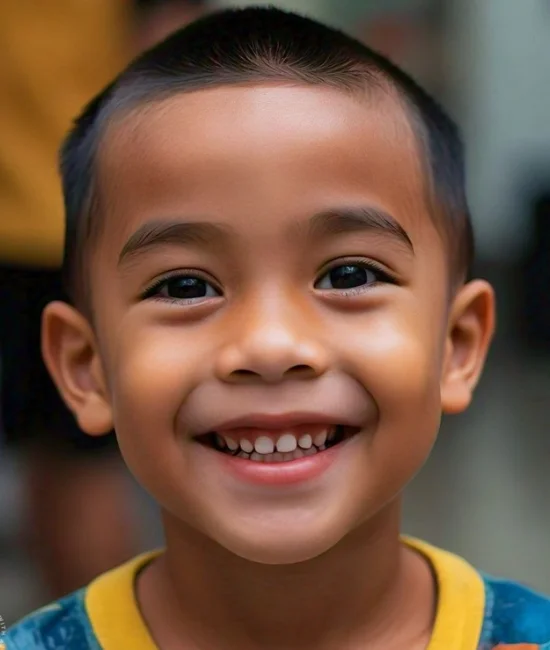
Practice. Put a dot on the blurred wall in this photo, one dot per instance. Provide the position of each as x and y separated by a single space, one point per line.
502 54
320 9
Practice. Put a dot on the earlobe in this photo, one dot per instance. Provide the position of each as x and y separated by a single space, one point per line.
471 328
70 353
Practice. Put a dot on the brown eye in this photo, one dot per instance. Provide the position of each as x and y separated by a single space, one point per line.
347 276
183 287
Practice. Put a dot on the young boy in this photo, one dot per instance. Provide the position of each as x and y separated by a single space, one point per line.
267 250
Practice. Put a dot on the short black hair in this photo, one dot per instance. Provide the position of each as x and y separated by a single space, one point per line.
255 45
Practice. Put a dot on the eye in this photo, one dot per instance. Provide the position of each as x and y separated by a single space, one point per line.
183 287
351 276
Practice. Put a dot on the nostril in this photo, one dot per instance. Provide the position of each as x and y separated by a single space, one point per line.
244 373
300 369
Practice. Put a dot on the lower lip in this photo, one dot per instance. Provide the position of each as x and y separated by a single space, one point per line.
282 473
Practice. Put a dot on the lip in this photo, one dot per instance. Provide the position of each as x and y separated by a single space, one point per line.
280 421
279 474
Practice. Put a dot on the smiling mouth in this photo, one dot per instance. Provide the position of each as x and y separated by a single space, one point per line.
277 446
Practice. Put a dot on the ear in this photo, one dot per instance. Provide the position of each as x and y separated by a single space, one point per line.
70 352
471 328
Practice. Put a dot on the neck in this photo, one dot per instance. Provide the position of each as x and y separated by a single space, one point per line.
354 593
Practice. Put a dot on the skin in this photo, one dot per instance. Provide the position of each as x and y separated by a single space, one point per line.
272 566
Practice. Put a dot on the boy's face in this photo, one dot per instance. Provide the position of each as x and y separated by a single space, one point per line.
268 270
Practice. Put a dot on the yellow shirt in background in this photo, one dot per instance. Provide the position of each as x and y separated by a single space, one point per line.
55 55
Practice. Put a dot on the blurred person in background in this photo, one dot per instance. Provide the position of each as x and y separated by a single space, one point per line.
55 56
414 37
155 19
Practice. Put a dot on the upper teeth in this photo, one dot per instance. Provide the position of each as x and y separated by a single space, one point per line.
306 441
231 443
265 445
286 443
320 439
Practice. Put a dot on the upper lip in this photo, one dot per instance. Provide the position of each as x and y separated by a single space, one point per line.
332 399
275 421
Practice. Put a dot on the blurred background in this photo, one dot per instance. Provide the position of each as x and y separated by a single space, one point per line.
485 491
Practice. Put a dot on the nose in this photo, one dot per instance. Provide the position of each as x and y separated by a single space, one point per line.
271 346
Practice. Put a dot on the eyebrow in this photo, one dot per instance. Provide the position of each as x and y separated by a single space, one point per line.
181 233
324 224
356 219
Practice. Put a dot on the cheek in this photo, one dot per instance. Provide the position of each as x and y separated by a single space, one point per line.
154 370
397 360
397 357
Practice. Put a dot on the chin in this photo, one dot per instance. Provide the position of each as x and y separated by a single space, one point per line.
280 554
282 545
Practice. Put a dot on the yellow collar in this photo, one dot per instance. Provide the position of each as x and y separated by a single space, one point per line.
461 599
113 610
117 622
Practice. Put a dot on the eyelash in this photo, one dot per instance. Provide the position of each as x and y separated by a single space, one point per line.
152 290
381 274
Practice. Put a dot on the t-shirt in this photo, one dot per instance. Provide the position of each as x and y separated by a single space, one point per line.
474 612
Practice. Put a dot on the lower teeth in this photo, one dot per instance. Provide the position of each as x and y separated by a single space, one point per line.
278 457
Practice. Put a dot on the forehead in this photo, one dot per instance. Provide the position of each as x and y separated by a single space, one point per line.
260 156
